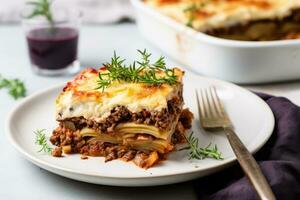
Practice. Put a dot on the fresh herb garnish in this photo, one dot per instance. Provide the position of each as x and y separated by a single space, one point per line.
199 153
16 88
41 8
41 140
190 22
141 71
192 9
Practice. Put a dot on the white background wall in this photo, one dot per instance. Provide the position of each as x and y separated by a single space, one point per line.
95 11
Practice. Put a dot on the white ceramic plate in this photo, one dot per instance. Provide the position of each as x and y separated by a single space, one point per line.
252 118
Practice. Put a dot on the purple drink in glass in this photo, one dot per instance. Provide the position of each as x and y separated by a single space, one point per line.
52 48
53 45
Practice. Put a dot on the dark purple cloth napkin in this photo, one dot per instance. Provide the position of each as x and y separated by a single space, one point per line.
279 160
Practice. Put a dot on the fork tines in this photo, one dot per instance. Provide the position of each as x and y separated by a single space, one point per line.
211 110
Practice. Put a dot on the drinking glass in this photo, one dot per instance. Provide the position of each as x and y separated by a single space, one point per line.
53 47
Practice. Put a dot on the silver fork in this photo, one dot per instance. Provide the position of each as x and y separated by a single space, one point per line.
214 117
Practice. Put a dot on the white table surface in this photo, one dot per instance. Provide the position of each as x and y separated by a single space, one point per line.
19 179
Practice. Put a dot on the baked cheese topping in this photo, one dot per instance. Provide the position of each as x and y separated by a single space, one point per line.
213 14
81 98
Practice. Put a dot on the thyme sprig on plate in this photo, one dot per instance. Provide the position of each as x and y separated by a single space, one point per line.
16 88
199 153
140 71
41 140
41 8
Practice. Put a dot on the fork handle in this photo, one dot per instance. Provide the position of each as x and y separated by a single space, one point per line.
250 166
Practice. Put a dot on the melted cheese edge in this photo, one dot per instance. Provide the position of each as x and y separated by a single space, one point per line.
80 97
225 13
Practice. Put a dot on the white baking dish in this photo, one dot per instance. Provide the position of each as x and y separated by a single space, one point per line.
236 61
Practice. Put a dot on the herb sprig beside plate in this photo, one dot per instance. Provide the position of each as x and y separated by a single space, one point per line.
16 87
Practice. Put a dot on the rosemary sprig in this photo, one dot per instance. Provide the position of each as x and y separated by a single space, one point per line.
16 88
41 8
141 71
199 153
41 140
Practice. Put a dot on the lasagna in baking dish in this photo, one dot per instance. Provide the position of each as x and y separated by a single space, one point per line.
139 120
252 20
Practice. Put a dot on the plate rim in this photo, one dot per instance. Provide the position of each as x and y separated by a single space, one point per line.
45 165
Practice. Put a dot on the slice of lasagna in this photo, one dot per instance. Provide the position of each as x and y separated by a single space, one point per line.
128 119
252 20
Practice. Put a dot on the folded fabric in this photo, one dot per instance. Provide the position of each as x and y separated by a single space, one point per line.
279 160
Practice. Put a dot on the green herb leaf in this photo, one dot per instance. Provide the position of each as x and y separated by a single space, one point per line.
141 71
190 22
41 140
16 88
41 8
192 9
199 153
